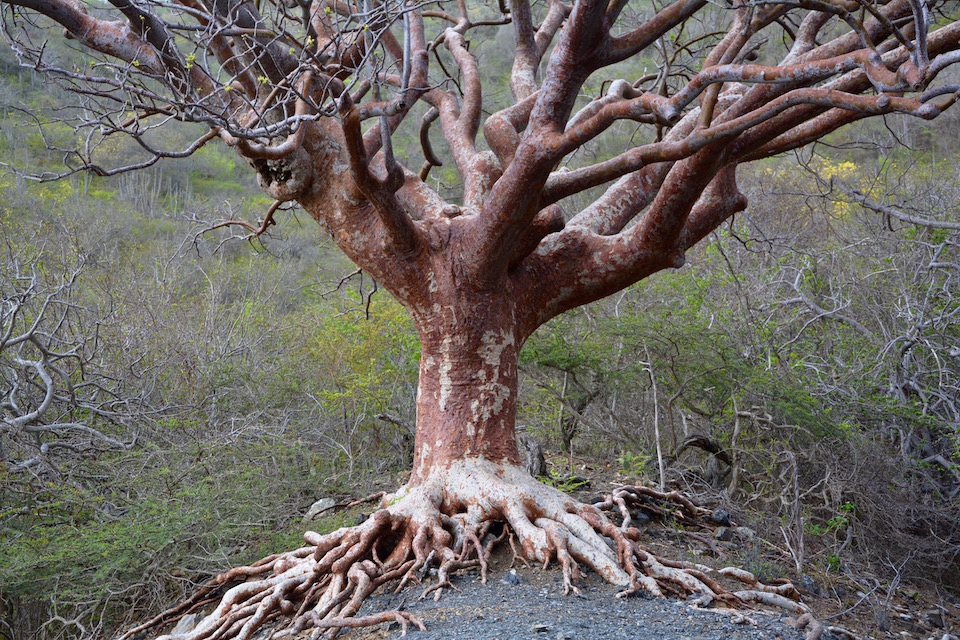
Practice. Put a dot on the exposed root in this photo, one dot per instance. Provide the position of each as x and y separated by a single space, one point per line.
842 633
443 526
814 627
783 595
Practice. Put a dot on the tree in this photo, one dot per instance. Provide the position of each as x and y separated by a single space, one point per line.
52 398
312 94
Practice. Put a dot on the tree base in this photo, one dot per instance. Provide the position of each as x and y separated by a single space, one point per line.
451 521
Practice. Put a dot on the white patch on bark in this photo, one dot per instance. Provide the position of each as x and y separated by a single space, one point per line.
446 365
471 427
493 395
492 345
424 457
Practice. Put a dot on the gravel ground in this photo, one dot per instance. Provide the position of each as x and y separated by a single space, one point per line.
528 604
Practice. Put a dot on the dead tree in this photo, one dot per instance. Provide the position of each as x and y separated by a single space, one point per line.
53 401
310 94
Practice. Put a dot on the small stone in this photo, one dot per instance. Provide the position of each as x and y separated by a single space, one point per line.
745 532
723 534
808 585
512 578
641 518
540 628
720 517
934 618
319 507
564 635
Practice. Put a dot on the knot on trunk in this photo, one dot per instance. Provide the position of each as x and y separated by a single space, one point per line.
285 178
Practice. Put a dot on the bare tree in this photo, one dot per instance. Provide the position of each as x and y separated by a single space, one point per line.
311 95
53 400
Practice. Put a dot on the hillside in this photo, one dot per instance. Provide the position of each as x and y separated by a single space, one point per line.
802 371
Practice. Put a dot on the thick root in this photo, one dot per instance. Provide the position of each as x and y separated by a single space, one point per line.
448 524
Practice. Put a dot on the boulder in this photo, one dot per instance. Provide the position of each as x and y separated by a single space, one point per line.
808 585
319 507
746 533
720 517
532 455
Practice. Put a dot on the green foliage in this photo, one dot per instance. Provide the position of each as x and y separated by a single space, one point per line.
754 559
220 504
839 522
634 465
563 482
363 357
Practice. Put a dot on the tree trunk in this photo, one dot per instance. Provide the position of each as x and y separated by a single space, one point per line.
467 395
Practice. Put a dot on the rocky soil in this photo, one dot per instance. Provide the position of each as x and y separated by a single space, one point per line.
528 604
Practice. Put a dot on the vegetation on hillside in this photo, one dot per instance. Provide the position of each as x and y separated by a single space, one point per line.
224 385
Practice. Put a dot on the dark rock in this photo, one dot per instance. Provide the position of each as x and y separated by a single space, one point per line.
641 517
723 534
808 585
720 517
934 618
597 499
